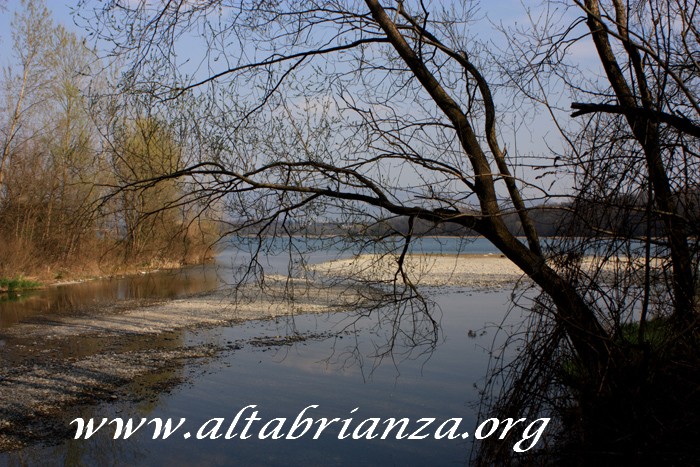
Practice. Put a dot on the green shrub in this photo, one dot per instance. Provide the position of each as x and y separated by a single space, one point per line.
17 283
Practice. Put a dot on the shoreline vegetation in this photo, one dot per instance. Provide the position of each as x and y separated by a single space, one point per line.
16 284
135 340
37 281
57 275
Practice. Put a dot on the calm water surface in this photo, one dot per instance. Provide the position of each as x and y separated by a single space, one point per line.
274 257
335 368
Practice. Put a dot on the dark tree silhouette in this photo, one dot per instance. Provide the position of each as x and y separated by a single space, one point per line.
381 110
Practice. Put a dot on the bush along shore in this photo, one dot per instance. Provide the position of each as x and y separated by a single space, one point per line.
11 285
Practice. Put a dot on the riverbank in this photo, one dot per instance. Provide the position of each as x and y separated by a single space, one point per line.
51 363
54 362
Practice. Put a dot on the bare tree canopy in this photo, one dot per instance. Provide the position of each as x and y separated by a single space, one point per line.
370 110
55 166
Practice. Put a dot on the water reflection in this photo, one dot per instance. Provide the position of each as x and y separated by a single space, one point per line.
275 258
90 295
338 373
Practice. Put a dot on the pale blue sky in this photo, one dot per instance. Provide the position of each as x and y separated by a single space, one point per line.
509 12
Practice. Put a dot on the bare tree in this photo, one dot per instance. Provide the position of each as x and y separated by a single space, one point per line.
30 41
47 172
393 110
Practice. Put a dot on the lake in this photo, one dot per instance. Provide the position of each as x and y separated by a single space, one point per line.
84 296
334 367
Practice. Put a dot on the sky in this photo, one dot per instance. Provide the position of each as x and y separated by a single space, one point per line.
509 12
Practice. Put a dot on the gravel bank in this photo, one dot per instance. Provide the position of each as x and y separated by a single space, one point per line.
466 270
56 362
